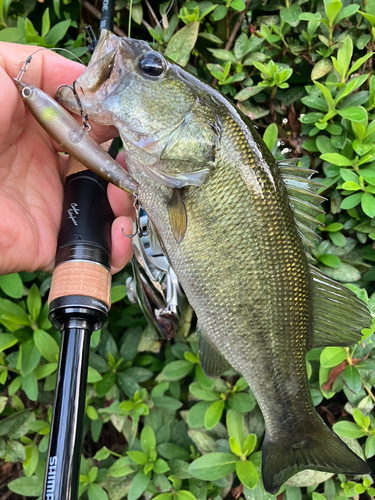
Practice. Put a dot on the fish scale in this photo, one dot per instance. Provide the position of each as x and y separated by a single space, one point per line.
236 228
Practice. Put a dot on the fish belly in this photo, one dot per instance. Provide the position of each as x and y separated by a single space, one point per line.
244 271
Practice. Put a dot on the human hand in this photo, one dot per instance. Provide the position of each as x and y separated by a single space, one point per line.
32 173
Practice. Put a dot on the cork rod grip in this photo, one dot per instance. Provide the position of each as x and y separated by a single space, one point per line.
81 278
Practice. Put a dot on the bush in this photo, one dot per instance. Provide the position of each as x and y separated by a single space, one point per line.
155 424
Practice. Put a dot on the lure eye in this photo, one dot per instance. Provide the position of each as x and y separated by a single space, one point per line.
26 92
151 64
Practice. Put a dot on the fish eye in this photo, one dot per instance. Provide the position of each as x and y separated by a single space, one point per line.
151 64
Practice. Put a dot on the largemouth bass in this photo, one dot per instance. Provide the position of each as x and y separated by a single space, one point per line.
236 228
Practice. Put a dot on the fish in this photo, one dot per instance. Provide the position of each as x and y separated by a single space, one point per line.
238 228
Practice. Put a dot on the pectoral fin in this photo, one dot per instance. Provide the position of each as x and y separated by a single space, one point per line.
177 215
213 363
194 141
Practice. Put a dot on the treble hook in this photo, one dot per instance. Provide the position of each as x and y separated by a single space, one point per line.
85 119
138 225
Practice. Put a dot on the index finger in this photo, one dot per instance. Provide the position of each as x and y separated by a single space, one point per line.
46 71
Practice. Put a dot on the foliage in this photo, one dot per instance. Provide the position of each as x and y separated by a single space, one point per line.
155 424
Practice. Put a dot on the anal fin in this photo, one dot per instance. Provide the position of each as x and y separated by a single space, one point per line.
213 362
339 315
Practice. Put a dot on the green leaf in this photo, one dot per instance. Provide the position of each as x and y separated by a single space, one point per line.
320 69
351 186
29 384
235 447
171 451
183 43
27 486
335 226
164 496
10 35
336 159
11 284
34 303
338 239
46 23
359 418
7 340
270 136
11 310
330 260
148 439
213 466
290 15
332 356
160 466
120 468
237 5
46 345
368 175
235 426
348 430
370 446
354 114
247 473
30 357
368 204
213 414
349 175
344 56
32 458
249 444
176 370
138 457
93 375
345 273
223 55
96 492
118 293
352 378
351 201
242 402
168 403
200 392
247 92
185 495
139 484
57 32
241 46
220 12
102 454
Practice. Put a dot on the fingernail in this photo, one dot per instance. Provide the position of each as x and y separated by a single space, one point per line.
127 225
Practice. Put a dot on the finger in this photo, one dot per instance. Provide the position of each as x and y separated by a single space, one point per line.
47 70
122 249
121 202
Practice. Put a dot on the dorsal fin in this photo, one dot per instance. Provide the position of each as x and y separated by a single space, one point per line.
304 200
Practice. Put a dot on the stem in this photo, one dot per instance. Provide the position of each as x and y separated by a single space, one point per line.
368 390
237 26
130 17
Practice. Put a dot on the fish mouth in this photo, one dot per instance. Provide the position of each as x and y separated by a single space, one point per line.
110 54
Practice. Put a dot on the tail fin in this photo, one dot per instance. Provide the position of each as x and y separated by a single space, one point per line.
323 451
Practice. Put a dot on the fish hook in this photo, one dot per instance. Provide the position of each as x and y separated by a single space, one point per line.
85 119
138 225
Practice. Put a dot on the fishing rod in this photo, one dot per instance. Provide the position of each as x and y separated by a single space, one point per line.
79 302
